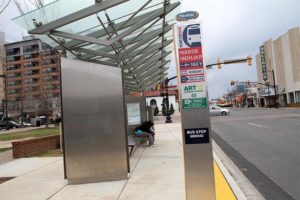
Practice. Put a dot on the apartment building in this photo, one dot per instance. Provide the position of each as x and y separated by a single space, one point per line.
2 61
281 57
32 79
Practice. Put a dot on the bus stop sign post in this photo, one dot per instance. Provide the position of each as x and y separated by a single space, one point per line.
196 127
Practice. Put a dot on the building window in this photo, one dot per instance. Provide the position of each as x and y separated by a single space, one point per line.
46 46
27 56
153 103
13 51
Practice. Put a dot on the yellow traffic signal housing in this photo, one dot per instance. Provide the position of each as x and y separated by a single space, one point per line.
158 86
249 60
219 63
232 83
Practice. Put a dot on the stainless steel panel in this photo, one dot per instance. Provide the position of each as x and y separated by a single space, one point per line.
93 122
198 159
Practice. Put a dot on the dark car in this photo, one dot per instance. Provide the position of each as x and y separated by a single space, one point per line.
10 124
13 124
2 124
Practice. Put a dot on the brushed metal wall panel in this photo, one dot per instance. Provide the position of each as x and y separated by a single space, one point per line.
198 159
93 122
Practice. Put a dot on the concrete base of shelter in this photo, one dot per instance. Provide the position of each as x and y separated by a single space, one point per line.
157 174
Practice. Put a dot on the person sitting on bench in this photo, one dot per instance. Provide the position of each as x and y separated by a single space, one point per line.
146 130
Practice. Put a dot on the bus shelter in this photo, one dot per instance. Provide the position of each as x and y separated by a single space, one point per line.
113 48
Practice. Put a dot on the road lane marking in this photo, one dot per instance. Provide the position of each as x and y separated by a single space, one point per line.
256 125
292 119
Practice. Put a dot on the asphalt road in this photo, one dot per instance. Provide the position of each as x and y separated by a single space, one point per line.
265 145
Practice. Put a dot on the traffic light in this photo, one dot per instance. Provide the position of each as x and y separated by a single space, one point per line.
158 87
232 83
249 60
219 63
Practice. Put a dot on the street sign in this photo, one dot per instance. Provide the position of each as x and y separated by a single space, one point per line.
191 66
196 136
191 77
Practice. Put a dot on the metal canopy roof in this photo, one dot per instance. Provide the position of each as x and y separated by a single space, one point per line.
132 34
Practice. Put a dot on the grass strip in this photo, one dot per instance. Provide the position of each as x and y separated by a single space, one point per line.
5 149
42 132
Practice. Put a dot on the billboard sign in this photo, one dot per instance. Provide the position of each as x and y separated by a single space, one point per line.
263 62
263 92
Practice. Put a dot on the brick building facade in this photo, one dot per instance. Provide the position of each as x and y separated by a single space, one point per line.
32 79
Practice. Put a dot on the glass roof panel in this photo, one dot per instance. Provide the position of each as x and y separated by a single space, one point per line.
132 29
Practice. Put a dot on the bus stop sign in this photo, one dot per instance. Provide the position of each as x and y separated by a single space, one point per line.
196 128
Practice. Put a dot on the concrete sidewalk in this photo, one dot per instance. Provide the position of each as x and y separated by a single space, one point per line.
157 174
6 156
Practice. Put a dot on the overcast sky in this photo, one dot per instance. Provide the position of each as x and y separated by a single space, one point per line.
231 28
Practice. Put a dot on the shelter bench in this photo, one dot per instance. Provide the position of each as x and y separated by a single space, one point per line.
134 140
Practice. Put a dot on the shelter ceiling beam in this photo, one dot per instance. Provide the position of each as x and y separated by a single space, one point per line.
97 7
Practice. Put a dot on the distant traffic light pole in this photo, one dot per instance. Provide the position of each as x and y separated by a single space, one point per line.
274 85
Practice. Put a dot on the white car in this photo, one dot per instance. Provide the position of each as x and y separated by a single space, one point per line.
216 110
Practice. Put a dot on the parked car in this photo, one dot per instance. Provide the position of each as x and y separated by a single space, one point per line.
42 120
10 124
26 124
216 110
13 124
2 124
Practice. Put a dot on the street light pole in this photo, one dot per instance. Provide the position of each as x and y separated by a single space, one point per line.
168 114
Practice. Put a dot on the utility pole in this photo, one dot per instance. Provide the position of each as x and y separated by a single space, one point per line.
269 104
274 86
275 91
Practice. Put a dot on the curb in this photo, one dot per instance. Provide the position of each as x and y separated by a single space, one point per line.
240 185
